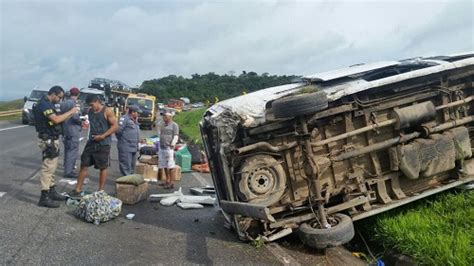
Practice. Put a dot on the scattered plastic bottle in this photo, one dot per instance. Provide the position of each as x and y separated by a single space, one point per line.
96 222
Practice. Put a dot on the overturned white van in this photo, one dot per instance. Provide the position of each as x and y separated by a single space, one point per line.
341 146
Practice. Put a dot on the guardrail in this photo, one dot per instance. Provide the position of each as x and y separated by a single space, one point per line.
11 112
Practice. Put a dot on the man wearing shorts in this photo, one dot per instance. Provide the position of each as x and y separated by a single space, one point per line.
168 131
102 124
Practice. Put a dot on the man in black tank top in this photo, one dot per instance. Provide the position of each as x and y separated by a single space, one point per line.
102 124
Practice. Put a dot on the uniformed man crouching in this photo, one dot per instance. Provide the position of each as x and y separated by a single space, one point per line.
128 136
48 125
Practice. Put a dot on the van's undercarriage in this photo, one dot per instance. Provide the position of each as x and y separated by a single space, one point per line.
359 155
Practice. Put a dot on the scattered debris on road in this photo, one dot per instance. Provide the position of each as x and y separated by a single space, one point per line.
187 201
183 205
202 190
69 182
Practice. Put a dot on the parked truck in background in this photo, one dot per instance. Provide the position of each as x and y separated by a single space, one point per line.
83 96
176 104
147 104
115 93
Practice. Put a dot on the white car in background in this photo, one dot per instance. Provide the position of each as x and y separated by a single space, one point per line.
27 113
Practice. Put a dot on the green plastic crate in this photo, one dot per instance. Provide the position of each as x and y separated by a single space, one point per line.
183 159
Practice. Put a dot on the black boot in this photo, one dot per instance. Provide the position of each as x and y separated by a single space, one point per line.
45 201
54 195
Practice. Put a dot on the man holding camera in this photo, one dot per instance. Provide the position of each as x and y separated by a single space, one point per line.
48 125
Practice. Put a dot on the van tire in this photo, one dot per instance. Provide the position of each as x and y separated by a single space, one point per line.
298 105
339 234
24 122
266 169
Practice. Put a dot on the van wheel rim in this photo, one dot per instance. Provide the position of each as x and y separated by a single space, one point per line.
261 181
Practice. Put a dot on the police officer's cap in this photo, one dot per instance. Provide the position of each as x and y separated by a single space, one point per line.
134 108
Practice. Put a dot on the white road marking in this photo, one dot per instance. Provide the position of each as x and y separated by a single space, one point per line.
8 128
200 179
2 194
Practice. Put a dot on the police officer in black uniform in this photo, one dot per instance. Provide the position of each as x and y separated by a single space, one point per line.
48 125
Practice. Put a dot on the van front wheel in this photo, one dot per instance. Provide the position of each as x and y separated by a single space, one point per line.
340 233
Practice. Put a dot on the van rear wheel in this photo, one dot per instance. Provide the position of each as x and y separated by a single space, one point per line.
341 232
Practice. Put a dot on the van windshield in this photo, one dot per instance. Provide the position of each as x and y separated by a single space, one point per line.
36 95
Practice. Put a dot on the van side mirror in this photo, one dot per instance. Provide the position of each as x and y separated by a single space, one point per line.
25 99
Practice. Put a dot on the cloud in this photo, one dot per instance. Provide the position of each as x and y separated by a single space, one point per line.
70 42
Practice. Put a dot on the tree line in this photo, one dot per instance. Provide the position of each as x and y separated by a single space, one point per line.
208 86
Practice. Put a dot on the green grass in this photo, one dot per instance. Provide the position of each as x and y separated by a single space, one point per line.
11 105
438 231
189 124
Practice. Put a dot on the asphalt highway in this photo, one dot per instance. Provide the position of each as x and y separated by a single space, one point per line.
156 235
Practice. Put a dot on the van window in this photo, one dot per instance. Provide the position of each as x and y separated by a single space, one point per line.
36 95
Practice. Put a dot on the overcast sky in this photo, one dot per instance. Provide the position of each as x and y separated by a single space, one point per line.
44 43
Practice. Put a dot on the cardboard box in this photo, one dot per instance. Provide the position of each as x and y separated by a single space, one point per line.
131 194
144 158
161 174
149 172
176 171
154 160
140 168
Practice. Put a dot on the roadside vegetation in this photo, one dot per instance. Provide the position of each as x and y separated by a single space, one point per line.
11 105
435 231
209 86
189 124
